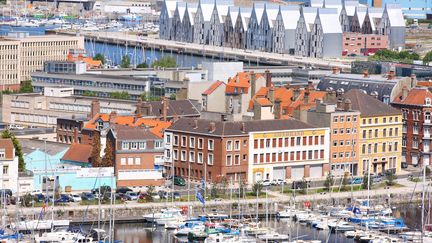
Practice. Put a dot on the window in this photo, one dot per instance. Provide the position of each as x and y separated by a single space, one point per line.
341 155
229 160
175 154
342 119
369 148
158 144
267 143
347 142
168 154
391 132
200 158
348 131
191 142
390 146
142 145
384 147
341 131
125 145
200 143
364 133
355 119
376 133
396 146
376 120
210 159
123 161
341 142
384 120
137 160
168 138
176 140
370 133
244 157
183 141
335 119
334 155
347 154
396 131
237 145
298 140
130 160
210 144
335 131
237 159
229 145
376 148
133 145
191 156
348 118
183 155
428 116
335 143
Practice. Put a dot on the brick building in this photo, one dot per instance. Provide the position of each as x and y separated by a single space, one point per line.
416 107
363 44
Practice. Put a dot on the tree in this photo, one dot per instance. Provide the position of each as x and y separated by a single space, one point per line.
108 159
125 61
257 188
95 158
165 62
173 97
142 65
302 185
147 96
89 93
328 183
17 147
427 58
344 181
26 87
100 57
149 194
120 95
365 182
224 185
390 178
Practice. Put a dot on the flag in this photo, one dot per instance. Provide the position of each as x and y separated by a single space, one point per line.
200 197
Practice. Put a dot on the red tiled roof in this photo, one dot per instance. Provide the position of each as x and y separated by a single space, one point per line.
78 153
241 81
264 101
415 96
213 87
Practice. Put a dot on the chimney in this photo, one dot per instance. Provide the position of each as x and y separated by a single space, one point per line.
138 107
339 104
268 78
365 73
165 104
413 80
95 108
335 70
212 127
75 135
112 117
306 96
391 75
347 105
404 92
270 94
243 127
252 83
277 109
195 124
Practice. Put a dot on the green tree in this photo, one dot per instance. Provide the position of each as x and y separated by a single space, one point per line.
26 87
365 182
149 194
328 183
257 188
89 93
120 95
108 158
302 185
173 97
95 158
100 57
165 62
142 65
427 58
17 147
146 96
125 62
390 178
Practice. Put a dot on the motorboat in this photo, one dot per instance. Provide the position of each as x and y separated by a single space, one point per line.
273 237
31 226
183 230
286 213
164 215
340 226
169 216
173 225
357 234
63 236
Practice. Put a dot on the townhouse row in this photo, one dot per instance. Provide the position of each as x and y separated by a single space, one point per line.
305 31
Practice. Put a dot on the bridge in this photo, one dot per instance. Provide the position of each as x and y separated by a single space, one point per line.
120 38
88 4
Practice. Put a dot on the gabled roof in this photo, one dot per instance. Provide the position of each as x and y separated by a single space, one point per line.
416 96
259 11
290 16
181 9
191 10
350 7
329 18
233 13
264 101
122 132
309 15
222 129
240 80
6 144
213 87
222 12
272 13
374 15
368 105
360 12
395 15
79 153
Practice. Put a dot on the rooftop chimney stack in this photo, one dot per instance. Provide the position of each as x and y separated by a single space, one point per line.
365 73
271 95
112 117
243 127
391 75
252 79
306 96
165 103
404 92
195 123
95 108
212 127
347 105
268 78
339 104
335 70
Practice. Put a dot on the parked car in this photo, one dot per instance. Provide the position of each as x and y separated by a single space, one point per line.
179 181
266 183
123 190
278 182
103 190
39 197
155 196
356 181
63 199
121 196
376 179
87 196
75 197
131 196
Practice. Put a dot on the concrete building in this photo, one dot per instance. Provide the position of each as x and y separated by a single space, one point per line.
303 31
380 133
284 30
8 166
393 25
165 19
358 19
253 29
416 110
19 57
363 44
344 124
139 156
326 38
265 39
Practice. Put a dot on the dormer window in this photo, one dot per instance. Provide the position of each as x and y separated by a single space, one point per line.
428 101
99 125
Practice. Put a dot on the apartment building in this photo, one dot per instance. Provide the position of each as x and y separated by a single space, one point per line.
8 165
249 150
363 44
20 56
344 124
380 133
416 107
139 156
